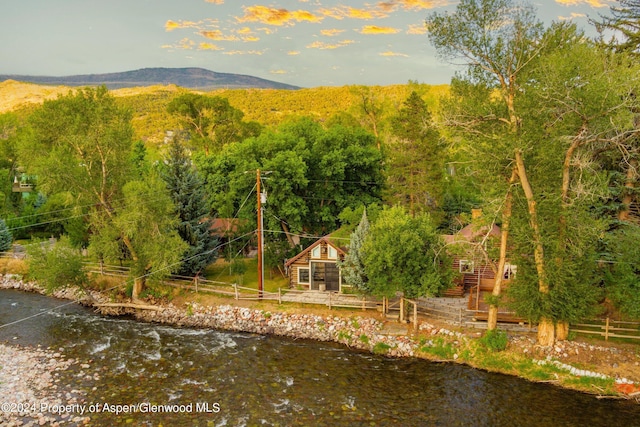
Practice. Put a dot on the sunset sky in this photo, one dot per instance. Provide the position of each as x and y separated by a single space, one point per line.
301 42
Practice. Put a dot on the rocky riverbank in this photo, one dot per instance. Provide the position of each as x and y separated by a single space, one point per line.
367 333
30 392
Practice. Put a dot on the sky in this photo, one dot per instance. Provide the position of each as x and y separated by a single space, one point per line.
307 43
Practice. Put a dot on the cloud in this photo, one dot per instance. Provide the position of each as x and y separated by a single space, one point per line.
215 1
342 12
324 46
331 32
173 25
417 29
389 53
217 35
592 3
293 52
209 46
278 72
277 17
574 15
244 30
374 29
392 5
244 52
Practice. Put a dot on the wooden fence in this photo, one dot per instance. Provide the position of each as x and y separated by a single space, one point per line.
609 328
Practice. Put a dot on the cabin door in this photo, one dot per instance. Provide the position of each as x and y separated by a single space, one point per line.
332 277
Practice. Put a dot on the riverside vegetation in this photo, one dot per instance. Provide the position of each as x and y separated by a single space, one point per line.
540 131
588 366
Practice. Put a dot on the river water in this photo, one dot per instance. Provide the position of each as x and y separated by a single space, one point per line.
233 379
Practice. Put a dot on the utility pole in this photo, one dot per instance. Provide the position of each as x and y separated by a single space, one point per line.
260 256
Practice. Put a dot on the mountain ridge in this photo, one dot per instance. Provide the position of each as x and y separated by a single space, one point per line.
191 78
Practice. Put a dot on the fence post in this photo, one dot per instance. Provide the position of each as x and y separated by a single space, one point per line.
415 316
364 304
195 279
401 309
235 287
606 330
460 316
279 295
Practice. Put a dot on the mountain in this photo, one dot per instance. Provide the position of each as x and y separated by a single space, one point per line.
193 78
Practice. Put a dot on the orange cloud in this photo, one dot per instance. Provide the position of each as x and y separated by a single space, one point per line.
278 72
293 52
574 15
173 25
417 29
592 3
244 52
342 12
389 53
324 46
217 35
276 17
392 5
215 1
209 46
244 30
331 32
250 39
374 29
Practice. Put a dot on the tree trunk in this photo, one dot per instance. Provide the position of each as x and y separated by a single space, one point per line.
546 328
630 182
546 332
562 330
492 320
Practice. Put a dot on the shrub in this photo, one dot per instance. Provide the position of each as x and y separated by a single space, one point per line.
56 265
495 340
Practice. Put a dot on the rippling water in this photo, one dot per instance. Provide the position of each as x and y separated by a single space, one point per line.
256 380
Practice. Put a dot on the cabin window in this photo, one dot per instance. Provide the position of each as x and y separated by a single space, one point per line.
303 275
510 271
315 252
333 253
466 266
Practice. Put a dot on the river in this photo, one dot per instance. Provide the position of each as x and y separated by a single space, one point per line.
217 378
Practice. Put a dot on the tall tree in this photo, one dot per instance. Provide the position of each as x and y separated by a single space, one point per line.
624 21
145 220
416 159
352 267
79 144
497 40
186 190
313 174
211 120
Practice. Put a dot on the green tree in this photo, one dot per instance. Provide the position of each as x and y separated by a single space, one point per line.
6 238
352 267
405 253
211 120
497 40
416 160
145 221
79 144
624 21
56 265
311 176
186 190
